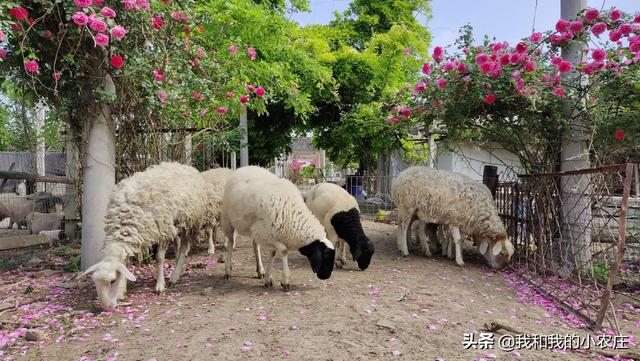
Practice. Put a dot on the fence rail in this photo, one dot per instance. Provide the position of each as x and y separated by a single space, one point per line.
577 234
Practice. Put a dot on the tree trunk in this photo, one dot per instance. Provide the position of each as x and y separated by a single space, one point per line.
99 179
576 232
188 146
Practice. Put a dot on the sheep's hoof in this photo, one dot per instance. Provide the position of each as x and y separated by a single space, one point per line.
260 275
461 263
211 252
159 289
268 283
285 286
227 276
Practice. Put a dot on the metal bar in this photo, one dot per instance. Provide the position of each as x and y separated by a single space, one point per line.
622 225
603 169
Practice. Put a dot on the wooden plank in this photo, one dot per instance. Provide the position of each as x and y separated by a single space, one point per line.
55 179
13 242
17 175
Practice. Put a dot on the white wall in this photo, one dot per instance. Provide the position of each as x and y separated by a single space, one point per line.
470 159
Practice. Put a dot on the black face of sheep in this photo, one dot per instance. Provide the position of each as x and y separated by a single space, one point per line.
362 252
321 258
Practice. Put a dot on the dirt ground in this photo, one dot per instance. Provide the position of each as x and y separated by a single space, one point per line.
411 308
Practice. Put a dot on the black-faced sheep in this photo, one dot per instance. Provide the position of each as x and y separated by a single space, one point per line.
163 204
339 213
271 212
451 199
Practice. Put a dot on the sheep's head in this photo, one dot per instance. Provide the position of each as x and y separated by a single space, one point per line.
321 255
109 276
497 251
362 251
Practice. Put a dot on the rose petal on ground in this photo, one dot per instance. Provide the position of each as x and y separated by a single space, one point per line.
396 352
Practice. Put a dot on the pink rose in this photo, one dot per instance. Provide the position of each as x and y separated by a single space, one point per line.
576 26
587 69
626 29
82 3
117 61
421 86
118 32
31 66
599 55
616 15
229 94
162 96
535 37
490 99
462 67
102 40
80 19
591 14
157 75
438 53
108 12
426 68
599 28
98 26
481 59
441 83
260 91
250 87
56 75
244 99
565 66
530 67
562 25
560 92
157 22
222 110
3 53
233 49
486 67
521 47
615 35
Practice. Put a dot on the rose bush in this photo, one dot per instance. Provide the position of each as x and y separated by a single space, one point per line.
514 93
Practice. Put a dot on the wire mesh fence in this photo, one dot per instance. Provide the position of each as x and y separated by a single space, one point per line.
577 236
373 193
39 217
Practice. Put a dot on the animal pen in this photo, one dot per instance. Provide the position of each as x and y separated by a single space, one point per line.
577 237
36 211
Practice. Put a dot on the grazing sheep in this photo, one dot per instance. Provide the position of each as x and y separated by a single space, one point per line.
166 202
37 221
339 213
445 198
272 213
52 235
16 207
215 180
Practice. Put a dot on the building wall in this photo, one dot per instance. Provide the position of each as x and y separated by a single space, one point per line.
470 159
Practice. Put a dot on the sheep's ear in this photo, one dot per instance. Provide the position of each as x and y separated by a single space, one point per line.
497 248
89 270
126 273
483 247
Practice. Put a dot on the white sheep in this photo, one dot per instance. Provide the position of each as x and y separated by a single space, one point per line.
16 208
271 212
166 202
37 221
339 213
445 198
215 180
52 235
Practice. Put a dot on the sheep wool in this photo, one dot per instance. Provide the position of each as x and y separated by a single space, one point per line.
447 198
339 213
271 211
215 180
166 202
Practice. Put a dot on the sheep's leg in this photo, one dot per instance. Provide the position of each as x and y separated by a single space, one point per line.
432 235
457 241
271 256
227 266
343 251
210 231
284 282
162 249
444 240
122 289
422 236
182 253
403 233
259 266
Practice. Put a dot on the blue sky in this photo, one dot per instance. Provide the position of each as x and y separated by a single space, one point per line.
508 20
